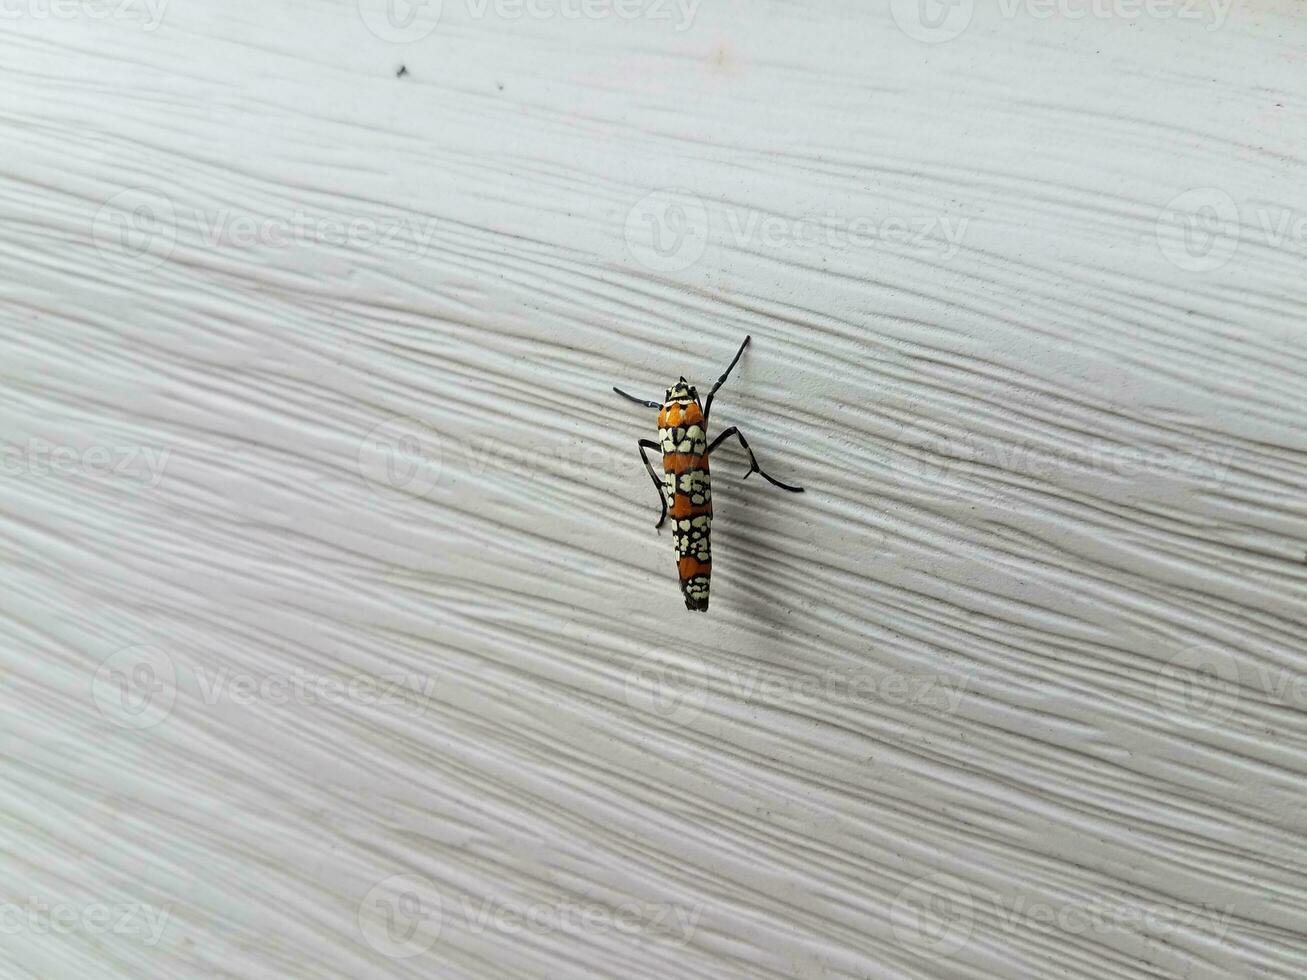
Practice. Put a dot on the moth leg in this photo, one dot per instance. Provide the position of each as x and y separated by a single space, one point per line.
707 405
658 484
753 461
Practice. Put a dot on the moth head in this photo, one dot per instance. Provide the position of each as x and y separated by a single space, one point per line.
682 390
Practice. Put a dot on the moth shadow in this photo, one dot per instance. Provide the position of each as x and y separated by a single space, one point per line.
750 558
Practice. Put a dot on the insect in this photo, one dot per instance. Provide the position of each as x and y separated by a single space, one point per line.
685 491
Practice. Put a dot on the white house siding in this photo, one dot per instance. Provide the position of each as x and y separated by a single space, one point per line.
309 329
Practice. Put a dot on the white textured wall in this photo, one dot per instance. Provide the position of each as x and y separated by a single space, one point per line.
1017 689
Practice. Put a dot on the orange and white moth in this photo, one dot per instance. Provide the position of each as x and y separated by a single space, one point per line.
685 491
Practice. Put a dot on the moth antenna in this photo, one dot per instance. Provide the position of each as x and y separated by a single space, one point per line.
639 401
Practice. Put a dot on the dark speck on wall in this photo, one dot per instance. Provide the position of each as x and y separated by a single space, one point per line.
499 85
403 70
